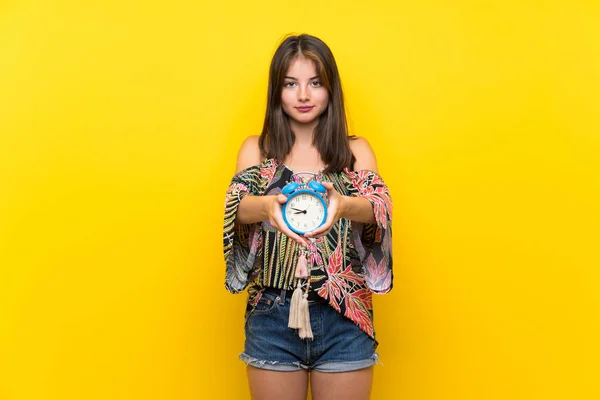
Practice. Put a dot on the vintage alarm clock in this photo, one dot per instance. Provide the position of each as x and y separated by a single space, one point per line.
305 209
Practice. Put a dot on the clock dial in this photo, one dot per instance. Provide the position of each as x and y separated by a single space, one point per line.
304 212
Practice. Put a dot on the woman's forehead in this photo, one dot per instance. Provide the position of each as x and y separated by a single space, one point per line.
302 67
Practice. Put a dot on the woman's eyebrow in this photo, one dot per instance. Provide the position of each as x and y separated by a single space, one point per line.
294 79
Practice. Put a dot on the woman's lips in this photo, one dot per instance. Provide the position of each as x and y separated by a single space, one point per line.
304 109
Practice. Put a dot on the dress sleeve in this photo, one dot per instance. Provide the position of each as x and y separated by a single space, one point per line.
241 242
373 240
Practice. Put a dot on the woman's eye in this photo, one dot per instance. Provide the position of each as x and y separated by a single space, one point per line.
316 83
289 84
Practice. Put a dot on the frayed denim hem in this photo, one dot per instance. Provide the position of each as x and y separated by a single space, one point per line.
272 365
347 366
327 366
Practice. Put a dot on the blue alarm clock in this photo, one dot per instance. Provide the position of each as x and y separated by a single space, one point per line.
305 209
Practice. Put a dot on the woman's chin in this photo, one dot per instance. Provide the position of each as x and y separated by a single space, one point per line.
304 120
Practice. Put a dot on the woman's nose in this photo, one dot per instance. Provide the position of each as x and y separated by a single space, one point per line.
303 93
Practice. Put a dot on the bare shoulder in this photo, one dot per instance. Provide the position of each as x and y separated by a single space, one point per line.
363 153
249 154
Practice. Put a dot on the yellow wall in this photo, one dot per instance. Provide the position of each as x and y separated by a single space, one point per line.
119 126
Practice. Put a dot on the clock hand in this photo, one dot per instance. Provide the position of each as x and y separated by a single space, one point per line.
302 211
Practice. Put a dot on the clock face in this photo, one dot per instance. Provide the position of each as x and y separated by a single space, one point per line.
304 211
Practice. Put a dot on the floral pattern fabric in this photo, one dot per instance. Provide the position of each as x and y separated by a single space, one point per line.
348 265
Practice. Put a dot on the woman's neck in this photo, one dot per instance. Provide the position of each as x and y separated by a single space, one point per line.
304 156
304 133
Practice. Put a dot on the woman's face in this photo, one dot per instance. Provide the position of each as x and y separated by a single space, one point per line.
303 96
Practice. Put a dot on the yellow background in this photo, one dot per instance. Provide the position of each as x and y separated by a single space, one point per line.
119 126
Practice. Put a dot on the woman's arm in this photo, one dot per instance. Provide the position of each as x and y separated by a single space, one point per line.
357 208
253 209
353 208
363 154
249 154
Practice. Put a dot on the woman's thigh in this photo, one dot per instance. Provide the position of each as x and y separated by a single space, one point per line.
354 385
277 385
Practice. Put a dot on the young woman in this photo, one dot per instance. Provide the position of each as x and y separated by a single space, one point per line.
309 312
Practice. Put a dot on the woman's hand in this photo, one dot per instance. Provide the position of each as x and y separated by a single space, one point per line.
275 218
334 211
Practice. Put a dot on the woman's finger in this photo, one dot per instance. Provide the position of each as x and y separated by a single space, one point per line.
282 199
278 223
314 234
326 227
281 225
317 231
329 187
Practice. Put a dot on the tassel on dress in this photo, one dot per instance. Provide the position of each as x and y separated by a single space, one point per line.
294 321
299 314
304 331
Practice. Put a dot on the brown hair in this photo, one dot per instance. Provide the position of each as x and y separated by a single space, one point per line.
331 134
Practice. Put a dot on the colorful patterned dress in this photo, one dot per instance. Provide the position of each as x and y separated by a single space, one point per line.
348 265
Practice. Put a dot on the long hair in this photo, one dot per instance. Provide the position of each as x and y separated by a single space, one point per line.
331 134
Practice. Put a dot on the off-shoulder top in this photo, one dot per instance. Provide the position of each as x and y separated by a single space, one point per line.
348 265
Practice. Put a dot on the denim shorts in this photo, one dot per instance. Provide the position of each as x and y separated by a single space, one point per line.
338 344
